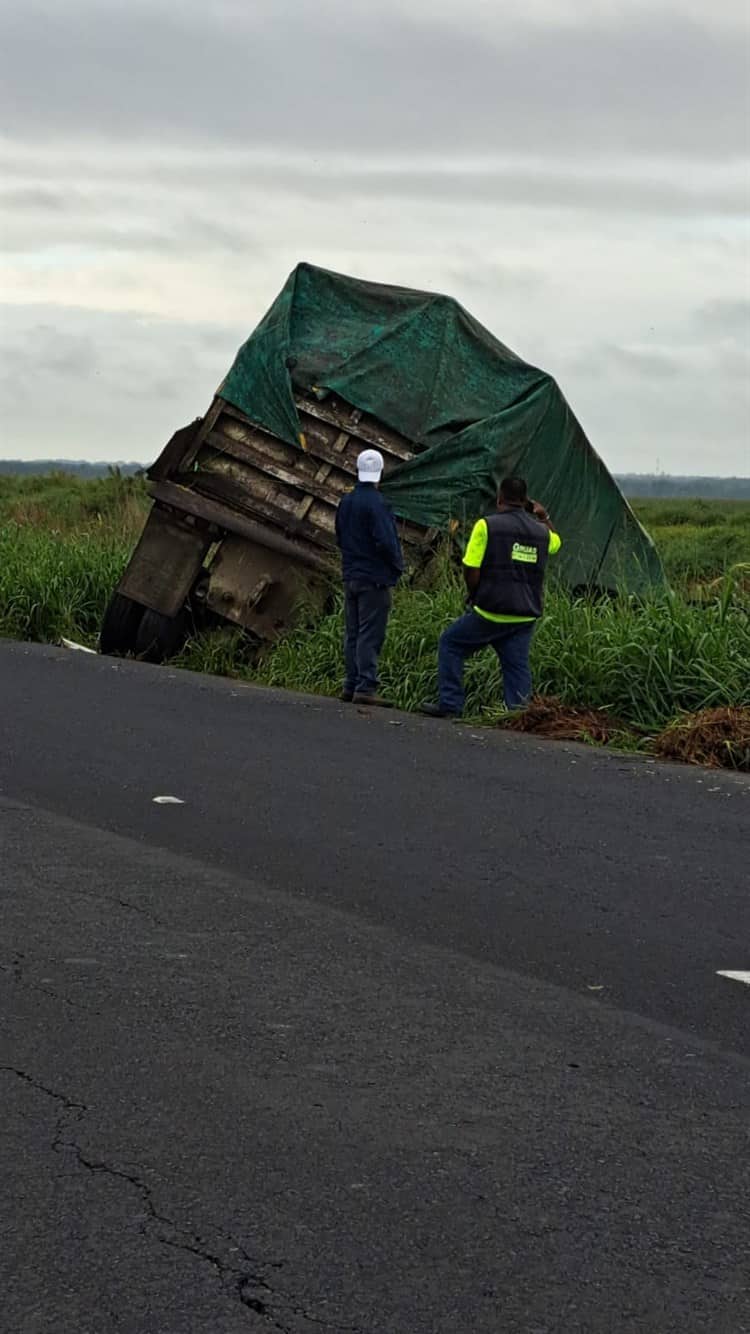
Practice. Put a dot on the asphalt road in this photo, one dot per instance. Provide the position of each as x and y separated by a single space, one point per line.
392 1027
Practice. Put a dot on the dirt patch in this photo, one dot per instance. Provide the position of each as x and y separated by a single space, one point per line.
547 716
718 738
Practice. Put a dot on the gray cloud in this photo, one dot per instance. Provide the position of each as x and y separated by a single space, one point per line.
651 364
682 409
34 200
104 385
330 77
726 319
168 208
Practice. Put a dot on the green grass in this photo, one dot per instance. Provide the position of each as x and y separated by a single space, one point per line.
658 513
698 540
58 503
64 543
53 586
645 662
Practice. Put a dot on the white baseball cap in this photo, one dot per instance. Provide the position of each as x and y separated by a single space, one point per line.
370 465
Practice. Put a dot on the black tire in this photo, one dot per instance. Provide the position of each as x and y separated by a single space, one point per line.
160 637
120 626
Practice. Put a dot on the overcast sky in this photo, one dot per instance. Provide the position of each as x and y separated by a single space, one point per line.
574 171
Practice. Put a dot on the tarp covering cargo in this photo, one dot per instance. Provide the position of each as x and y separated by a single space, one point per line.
473 409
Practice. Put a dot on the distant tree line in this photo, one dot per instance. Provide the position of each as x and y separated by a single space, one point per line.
633 484
677 488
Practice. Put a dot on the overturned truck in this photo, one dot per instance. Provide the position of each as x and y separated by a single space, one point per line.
244 499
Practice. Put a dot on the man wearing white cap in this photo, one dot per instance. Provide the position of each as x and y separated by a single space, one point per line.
372 563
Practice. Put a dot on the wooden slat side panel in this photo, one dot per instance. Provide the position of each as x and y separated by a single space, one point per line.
229 429
333 413
324 445
300 476
265 485
223 516
278 512
367 430
256 478
321 440
243 443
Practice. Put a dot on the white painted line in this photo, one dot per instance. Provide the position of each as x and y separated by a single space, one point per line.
79 648
168 801
735 976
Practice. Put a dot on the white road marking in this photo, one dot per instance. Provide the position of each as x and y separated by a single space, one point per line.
168 801
79 648
735 976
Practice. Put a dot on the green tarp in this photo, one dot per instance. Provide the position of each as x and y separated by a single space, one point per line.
473 409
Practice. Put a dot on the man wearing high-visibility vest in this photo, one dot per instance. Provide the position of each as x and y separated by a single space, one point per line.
504 567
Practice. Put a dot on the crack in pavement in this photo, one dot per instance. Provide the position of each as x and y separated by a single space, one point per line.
16 968
248 1281
143 912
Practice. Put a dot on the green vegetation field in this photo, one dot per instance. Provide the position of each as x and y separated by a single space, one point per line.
63 543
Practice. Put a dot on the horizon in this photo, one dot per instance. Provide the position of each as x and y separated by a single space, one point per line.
141 465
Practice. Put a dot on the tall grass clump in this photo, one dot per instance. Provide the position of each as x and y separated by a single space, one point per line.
645 661
53 586
64 543
116 504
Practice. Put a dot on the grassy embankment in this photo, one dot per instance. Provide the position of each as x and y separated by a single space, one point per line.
63 543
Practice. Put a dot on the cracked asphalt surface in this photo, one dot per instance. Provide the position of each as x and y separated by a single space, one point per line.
389 1029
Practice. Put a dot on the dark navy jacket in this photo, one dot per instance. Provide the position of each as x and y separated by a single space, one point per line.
366 533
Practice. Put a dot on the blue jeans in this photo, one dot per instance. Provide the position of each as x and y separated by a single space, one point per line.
366 610
467 636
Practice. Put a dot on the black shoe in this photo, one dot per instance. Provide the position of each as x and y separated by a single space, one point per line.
372 701
435 711
346 696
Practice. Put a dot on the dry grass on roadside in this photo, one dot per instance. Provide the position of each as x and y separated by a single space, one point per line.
717 738
549 717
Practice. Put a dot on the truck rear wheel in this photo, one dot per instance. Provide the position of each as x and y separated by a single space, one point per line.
160 637
120 625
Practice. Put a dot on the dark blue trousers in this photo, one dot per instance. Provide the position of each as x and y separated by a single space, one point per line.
366 610
467 636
